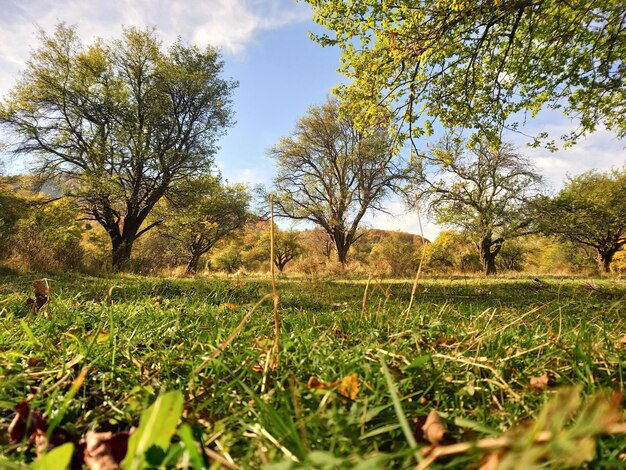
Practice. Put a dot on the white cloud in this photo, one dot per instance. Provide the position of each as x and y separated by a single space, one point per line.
402 219
228 24
249 176
600 151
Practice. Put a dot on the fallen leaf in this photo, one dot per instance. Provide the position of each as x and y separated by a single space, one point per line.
541 382
314 382
42 295
41 286
623 340
23 416
433 428
347 387
102 337
447 342
105 450
33 361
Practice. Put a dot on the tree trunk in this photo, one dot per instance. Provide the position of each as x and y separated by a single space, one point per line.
342 253
342 244
489 265
488 256
192 265
604 261
121 248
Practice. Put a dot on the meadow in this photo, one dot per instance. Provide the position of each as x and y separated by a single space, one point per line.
356 379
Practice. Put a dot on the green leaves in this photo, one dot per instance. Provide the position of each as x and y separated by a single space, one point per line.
156 428
477 65
121 119
589 211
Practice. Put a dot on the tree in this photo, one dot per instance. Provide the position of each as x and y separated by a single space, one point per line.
453 250
480 189
480 64
331 174
119 122
230 257
317 242
287 246
201 212
48 237
13 207
397 253
590 211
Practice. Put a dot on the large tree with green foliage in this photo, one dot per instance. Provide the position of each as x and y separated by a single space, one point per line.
331 174
481 64
202 212
119 122
480 189
589 211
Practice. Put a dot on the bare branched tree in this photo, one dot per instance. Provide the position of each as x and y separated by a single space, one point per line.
480 189
331 174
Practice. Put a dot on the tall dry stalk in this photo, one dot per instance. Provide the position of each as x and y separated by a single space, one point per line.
274 291
365 297
419 267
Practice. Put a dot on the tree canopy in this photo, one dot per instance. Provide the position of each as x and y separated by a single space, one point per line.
331 174
202 212
119 122
481 65
590 211
480 189
287 247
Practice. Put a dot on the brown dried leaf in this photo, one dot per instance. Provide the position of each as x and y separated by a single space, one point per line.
42 287
37 303
44 445
541 382
23 418
448 342
433 428
316 383
105 450
42 295
349 386
33 361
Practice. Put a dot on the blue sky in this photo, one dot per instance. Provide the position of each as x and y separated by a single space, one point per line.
281 72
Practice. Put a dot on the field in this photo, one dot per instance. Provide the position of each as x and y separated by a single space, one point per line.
357 375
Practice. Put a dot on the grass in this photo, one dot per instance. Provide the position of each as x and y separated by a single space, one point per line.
468 349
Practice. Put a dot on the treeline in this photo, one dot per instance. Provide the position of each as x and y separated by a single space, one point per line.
122 135
40 232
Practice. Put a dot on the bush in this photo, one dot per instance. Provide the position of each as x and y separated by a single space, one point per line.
48 238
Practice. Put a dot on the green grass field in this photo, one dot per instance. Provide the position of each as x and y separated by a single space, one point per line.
468 348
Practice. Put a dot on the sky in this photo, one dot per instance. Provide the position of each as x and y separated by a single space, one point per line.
281 72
